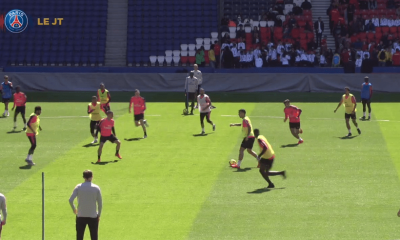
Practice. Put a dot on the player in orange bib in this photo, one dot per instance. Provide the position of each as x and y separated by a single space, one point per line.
139 106
31 132
293 113
19 101
105 97
107 132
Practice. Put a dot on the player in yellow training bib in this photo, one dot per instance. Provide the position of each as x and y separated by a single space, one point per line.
104 96
94 114
350 104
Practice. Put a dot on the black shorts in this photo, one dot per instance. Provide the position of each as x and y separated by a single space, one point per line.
267 162
93 125
20 109
191 96
6 100
365 100
138 117
294 125
248 144
349 115
203 115
198 89
110 138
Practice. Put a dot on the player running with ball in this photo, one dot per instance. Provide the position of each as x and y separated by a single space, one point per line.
107 131
293 113
204 101
139 106
248 137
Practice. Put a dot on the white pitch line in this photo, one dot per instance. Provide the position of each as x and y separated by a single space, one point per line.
378 120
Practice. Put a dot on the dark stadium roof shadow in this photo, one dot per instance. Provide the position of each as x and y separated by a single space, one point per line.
347 137
13 131
132 139
263 190
90 145
105 162
26 167
202 135
290 145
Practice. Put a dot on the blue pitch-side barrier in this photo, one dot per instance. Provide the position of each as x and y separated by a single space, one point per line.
224 82
186 69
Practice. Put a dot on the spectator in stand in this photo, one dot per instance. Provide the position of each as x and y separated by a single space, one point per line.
288 46
329 57
335 14
306 5
278 21
358 61
236 56
280 48
311 45
257 52
374 20
258 62
396 58
384 22
311 58
345 56
292 22
225 38
286 33
217 51
372 4
227 58
322 61
241 45
264 56
382 57
256 38
350 12
297 10
285 58
389 56
249 58
240 33
243 59
199 57
273 58
211 56
319 29
391 22
307 28
328 12
231 23
370 27
397 22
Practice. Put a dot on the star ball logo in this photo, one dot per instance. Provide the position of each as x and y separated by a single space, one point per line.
16 21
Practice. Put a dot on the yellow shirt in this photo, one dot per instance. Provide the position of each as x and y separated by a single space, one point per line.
262 143
35 122
95 115
349 103
103 96
211 55
245 127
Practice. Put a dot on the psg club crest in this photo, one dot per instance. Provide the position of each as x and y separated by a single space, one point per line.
16 21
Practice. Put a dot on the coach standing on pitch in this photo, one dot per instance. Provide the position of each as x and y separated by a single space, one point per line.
191 85
88 195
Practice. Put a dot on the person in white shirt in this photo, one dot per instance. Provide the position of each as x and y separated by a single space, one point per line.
269 45
197 74
259 62
322 60
311 58
241 45
225 44
257 52
397 22
204 102
249 58
243 58
273 57
366 55
360 53
280 48
358 61
304 59
390 22
285 59
288 46
384 22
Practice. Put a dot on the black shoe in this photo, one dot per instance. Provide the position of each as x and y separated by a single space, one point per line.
362 118
284 175
271 185
359 131
214 127
369 118
349 135
191 113
212 107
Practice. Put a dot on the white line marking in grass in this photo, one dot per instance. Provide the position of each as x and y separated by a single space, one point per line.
378 120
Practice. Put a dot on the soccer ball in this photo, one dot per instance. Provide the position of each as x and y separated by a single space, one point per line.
232 161
185 111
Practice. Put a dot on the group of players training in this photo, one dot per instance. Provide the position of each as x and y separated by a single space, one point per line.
193 82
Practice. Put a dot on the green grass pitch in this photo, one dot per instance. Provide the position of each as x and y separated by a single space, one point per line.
174 185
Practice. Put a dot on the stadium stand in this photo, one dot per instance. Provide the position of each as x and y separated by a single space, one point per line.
277 32
79 41
366 30
161 32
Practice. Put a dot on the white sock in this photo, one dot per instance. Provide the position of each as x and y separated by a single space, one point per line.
239 162
30 157
15 124
27 157
349 130
24 124
300 139
364 114
369 114
202 129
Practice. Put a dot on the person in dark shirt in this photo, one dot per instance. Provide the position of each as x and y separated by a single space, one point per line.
241 33
297 10
306 5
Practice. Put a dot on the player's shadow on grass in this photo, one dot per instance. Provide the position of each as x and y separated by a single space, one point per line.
290 145
105 162
10 132
243 169
26 167
132 139
347 137
90 145
201 135
263 190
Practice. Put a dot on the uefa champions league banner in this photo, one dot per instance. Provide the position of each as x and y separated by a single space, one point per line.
174 82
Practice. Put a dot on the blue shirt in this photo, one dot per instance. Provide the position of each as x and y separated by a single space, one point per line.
365 91
7 93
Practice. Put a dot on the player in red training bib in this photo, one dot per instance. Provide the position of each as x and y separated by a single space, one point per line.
107 132
20 102
293 113
139 106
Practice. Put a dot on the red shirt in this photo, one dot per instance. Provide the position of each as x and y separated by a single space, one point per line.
217 49
106 127
292 112
139 105
19 99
